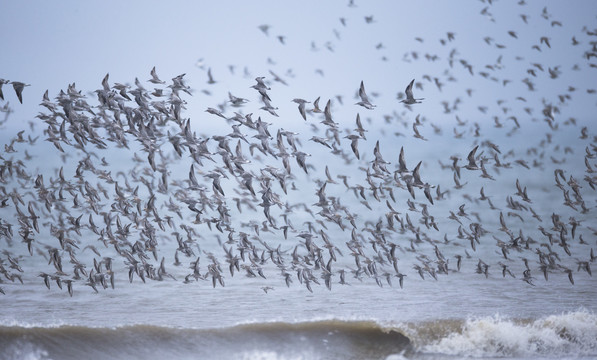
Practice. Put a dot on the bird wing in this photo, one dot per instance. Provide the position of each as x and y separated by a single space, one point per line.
409 90
362 93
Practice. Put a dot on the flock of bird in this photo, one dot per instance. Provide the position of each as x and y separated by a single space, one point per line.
274 208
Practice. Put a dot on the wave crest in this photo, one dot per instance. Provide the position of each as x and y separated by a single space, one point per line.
568 334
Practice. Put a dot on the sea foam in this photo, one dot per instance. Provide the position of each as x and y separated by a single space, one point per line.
570 334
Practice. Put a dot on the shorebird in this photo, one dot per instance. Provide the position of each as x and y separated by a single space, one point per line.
316 108
154 77
409 95
236 101
19 86
301 107
354 144
472 164
360 128
2 82
364 98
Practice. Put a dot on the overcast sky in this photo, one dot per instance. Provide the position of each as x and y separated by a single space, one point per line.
319 48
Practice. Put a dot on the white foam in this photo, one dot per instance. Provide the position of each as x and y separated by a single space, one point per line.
25 351
269 355
396 357
311 319
572 333
29 325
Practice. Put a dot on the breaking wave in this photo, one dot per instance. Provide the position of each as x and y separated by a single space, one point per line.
571 334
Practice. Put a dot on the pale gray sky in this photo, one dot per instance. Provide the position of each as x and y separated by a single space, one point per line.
50 45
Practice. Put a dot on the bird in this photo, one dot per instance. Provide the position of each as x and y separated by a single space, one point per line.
2 82
360 128
316 108
210 79
472 164
409 95
354 144
364 98
18 87
154 77
301 107
264 28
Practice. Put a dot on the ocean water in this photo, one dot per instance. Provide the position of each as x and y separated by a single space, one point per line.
565 336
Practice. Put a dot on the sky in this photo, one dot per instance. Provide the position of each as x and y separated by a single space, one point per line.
50 45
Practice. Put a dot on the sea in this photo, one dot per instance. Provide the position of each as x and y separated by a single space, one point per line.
460 317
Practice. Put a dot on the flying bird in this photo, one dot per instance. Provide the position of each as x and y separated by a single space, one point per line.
2 82
364 98
301 107
154 77
409 95
19 86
